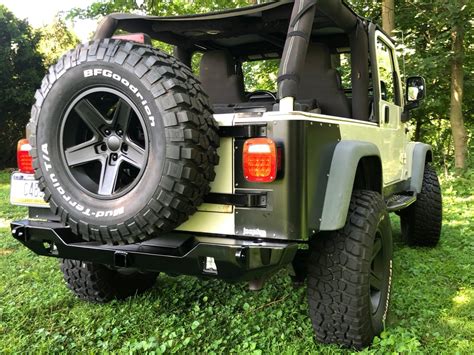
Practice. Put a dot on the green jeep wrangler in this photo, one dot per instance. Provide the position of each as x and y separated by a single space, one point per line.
134 165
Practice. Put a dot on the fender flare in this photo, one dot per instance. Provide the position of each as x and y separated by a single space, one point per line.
342 173
421 153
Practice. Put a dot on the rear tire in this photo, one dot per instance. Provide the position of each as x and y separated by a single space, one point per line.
349 275
421 222
97 283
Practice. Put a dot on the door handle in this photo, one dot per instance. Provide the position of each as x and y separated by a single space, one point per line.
387 115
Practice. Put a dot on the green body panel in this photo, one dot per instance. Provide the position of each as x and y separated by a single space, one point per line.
402 167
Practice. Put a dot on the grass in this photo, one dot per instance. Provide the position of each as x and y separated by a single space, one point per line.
432 306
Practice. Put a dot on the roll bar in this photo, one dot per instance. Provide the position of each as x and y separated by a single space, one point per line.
296 46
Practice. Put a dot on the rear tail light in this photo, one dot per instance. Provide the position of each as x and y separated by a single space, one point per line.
260 160
23 157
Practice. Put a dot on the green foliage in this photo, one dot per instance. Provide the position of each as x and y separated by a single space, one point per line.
56 39
427 28
431 310
261 75
21 70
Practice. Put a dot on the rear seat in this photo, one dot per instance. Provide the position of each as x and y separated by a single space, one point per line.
223 81
321 82
220 78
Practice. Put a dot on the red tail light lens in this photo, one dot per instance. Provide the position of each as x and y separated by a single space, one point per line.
23 157
260 160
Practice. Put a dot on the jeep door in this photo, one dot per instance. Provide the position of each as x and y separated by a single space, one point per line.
388 95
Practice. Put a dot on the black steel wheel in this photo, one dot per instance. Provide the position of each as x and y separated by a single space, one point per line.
377 273
349 275
105 142
124 141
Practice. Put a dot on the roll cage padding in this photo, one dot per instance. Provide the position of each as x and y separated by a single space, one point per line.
106 28
359 41
339 13
296 46
183 55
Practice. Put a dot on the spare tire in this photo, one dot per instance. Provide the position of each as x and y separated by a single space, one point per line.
124 142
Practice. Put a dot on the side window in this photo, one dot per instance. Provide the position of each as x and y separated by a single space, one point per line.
386 73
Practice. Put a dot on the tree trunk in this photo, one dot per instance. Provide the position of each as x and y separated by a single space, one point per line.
388 16
457 92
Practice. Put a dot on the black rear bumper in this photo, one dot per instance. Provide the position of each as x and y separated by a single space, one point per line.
173 253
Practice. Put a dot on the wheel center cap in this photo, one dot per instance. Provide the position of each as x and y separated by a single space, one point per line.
113 143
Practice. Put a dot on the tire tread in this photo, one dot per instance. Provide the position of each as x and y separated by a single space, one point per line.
98 284
422 221
338 276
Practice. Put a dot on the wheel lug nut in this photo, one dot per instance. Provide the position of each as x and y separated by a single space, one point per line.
103 147
124 148
114 156
107 132
119 132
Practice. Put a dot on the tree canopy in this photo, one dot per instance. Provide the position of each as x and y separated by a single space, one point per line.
56 39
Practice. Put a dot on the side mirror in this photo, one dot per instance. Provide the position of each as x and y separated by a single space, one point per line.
416 92
416 89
